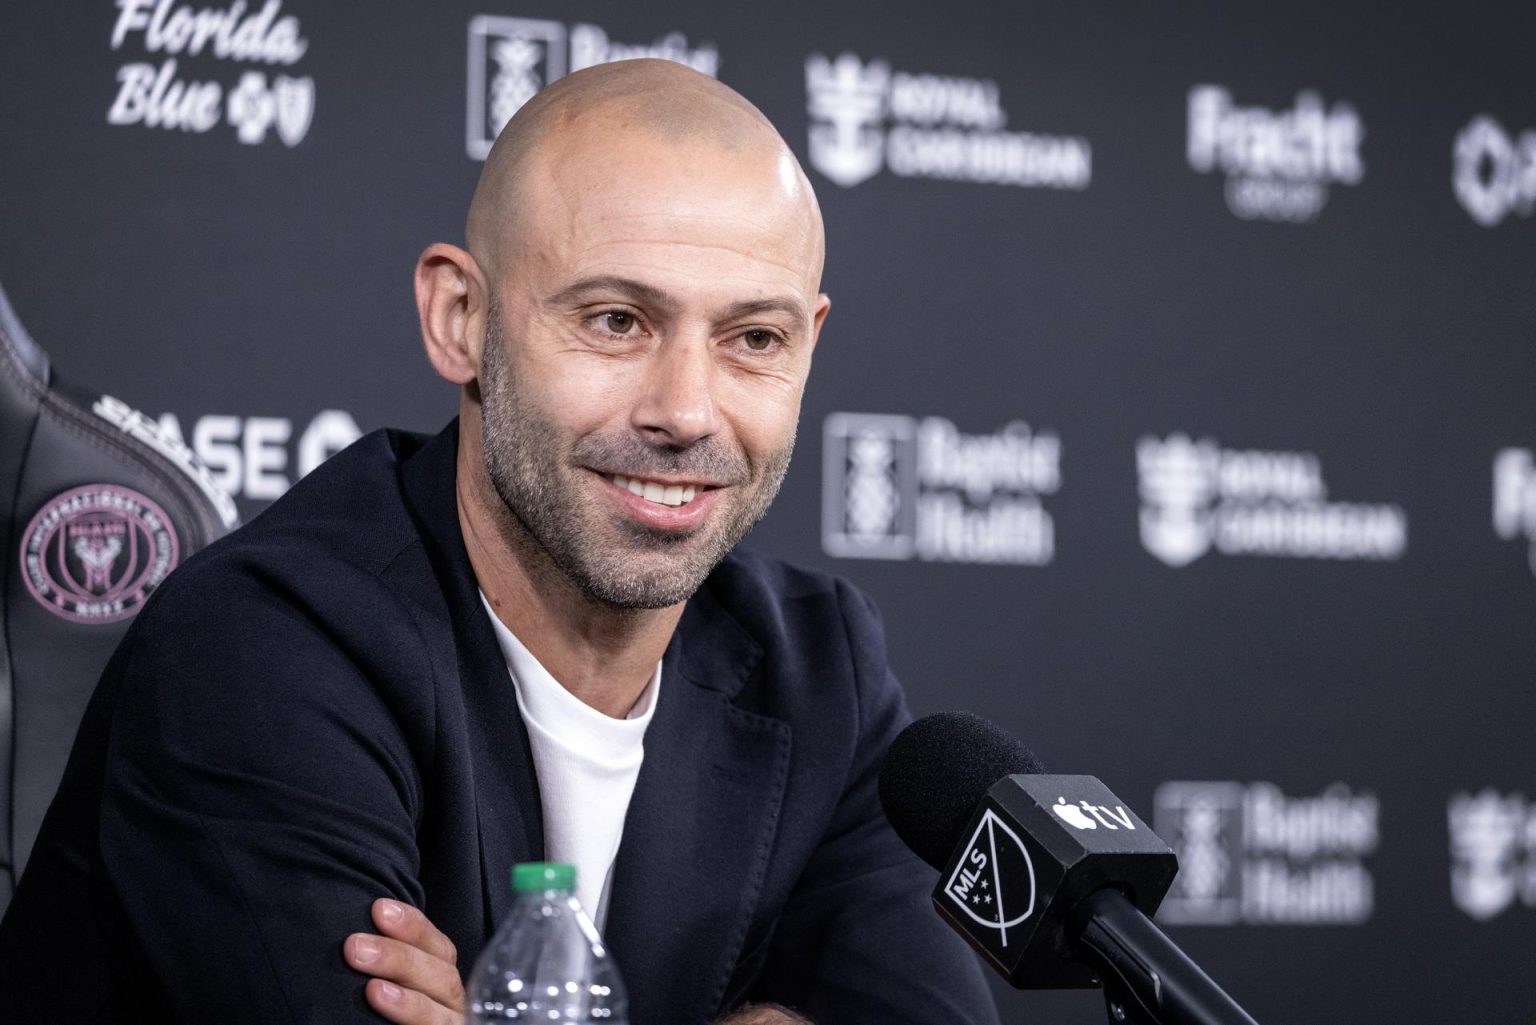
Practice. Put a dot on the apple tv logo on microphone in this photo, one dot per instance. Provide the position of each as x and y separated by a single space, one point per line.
1077 815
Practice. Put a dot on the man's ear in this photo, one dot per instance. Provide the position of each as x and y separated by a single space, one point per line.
451 299
819 315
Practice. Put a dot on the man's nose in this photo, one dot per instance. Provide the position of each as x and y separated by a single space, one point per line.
677 401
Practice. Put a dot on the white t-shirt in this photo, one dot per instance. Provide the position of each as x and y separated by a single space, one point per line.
586 762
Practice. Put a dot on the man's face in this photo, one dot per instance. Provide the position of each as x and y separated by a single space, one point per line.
642 372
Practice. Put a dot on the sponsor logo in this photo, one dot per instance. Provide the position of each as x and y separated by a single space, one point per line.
154 94
1494 173
511 59
135 424
1078 815
1250 853
994 883
865 118
1196 496
895 487
1514 498
1493 852
250 457
95 553
1279 164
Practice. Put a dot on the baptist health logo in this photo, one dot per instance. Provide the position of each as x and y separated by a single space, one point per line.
511 59
1514 498
1250 853
1279 164
866 117
895 487
1495 173
1197 495
158 96
1493 852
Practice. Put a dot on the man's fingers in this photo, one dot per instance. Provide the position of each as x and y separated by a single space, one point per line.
404 922
408 967
407 1007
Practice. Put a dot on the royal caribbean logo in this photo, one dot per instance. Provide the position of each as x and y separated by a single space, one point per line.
1494 173
1514 498
865 118
511 59
994 883
1493 852
1196 496
1250 853
895 487
95 553
163 95
1279 164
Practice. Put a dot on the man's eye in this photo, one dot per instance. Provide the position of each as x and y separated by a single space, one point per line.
619 322
758 341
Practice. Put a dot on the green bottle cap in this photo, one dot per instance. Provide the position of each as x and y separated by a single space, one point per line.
533 876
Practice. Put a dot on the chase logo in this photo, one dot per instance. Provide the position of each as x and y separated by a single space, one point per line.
994 883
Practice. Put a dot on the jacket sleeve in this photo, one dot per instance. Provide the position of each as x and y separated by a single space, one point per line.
859 941
260 793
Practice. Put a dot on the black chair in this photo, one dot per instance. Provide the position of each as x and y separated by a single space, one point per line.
96 507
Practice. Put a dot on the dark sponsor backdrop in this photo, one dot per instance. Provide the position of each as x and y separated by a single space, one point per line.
1257 281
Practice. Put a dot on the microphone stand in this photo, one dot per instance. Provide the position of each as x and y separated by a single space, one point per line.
1147 979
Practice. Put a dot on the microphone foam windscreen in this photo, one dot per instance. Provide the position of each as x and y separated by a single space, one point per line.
937 770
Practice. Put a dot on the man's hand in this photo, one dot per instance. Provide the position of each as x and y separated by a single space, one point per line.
415 981
763 1014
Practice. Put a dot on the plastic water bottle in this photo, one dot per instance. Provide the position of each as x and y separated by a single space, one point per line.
546 962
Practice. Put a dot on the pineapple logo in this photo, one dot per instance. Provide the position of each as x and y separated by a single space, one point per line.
869 486
510 59
516 81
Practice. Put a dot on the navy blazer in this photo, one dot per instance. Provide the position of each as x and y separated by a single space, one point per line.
314 712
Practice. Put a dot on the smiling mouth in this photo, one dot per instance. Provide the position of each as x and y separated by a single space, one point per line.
673 495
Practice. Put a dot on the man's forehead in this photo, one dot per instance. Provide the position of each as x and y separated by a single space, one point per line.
623 198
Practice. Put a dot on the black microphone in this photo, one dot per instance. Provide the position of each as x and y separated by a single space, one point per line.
1052 879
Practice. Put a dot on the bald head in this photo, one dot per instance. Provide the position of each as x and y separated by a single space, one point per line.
594 114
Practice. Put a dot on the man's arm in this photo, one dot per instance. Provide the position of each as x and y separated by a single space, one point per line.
261 791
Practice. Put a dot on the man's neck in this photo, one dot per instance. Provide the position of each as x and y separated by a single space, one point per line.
603 655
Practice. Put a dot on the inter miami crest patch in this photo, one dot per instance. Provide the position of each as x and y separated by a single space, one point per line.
94 554
994 882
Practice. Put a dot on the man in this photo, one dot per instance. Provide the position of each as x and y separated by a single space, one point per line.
318 711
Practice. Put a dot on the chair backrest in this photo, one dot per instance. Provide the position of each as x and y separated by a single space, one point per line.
97 505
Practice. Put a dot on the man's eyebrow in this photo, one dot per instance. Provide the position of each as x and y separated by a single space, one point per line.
586 288
775 304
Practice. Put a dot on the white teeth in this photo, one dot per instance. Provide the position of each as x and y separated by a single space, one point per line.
662 494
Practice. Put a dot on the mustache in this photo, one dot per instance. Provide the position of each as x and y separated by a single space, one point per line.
706 460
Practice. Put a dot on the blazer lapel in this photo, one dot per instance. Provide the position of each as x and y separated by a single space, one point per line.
700 827
511 821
